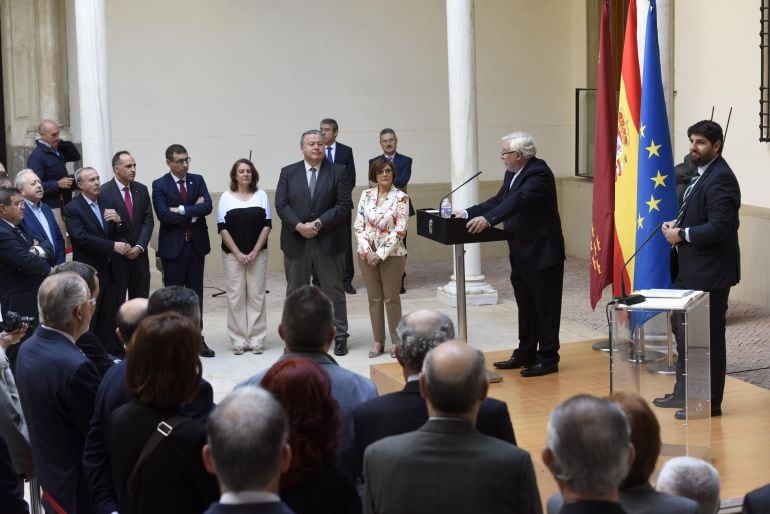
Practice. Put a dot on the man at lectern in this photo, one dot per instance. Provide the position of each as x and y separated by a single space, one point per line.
526 206
705 253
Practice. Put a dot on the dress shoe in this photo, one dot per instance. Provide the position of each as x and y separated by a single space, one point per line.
349 289
698 411
539 369
669 401
512 363
341 346
206 351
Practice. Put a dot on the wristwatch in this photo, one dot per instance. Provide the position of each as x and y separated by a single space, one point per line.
681 234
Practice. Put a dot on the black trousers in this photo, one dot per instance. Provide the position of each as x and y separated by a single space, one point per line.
538 297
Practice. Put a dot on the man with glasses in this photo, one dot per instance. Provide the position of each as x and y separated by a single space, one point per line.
182 202
526 205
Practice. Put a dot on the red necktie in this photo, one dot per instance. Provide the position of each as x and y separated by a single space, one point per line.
183 191
129 204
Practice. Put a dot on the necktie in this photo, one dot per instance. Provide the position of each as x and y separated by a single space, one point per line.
311 185
129 204
687 193
21 233
183 191
95 208
329 154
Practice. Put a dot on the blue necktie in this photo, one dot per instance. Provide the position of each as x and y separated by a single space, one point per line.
98 214
329 154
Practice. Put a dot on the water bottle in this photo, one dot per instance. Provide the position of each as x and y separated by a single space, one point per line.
446 208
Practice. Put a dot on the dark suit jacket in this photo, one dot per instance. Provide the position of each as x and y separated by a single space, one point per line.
140 225
343 156
91 243
249 508
757 501
711 260
530 212
165 194
36 230
405 411
22 272
50 167
592 507
642 499
57 385
447 466
330 203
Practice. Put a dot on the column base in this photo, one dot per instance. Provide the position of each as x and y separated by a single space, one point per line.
477 292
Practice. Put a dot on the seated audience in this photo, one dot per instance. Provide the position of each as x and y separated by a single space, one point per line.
637 496
314 483
692 478
589 452
307 328
757 501
446 465
405 411
154 470
247 450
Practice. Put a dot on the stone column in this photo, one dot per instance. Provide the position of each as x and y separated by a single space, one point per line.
96 131
463 143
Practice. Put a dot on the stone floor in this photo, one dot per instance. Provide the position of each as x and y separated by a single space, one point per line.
489 327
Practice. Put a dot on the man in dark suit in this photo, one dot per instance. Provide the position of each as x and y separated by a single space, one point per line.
49 160
589 451
248 450
96 233
311 199
39 221
182 202
131 200
446 465
338 153
57 385
403 164
526 205
705 254
405 411
757 501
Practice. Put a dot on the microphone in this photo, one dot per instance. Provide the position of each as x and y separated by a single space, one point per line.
633 299
455 189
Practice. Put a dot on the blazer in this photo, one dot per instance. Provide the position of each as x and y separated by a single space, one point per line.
343 156
22 271
51 166
711 260
405 411
57 385
91 243
173 226
33 227
530 212
757 501
141 224
641 499
447 466
382 228
249 508
330 203
403 165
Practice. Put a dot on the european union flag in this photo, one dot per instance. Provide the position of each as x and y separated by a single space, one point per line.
656 184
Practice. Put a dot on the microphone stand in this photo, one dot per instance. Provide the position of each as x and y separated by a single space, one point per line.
455 189
633 299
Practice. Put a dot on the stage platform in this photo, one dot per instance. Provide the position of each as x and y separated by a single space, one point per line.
740 441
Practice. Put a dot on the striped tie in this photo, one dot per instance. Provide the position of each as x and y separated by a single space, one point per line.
687 193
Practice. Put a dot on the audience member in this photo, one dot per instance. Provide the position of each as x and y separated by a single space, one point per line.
57 386
314 483
307 328
381 220
130 314
131 200
637 496
244 222
757 501
39 221
446 465
96 233
692 478
405 411
588 451
247 450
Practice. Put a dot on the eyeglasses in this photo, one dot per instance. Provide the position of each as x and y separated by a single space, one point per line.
180 162
503 154
92 301
383 171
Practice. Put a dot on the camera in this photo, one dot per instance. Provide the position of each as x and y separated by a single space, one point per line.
12 321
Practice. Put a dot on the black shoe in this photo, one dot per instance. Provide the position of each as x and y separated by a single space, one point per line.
350 289
513 363
402 290
697 411
539 369
341 346
669 401
206 351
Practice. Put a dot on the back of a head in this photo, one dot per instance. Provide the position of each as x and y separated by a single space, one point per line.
307 318
163 368
58 296
85 271
645 436
128 317
589 440
454 378
246 432
521 142
419 332
178 299
692 478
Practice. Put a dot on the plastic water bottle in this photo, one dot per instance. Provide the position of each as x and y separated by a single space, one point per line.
446 208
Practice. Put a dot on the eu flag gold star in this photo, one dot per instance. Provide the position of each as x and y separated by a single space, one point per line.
641 131
653 204
660 180
653 149
640 222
